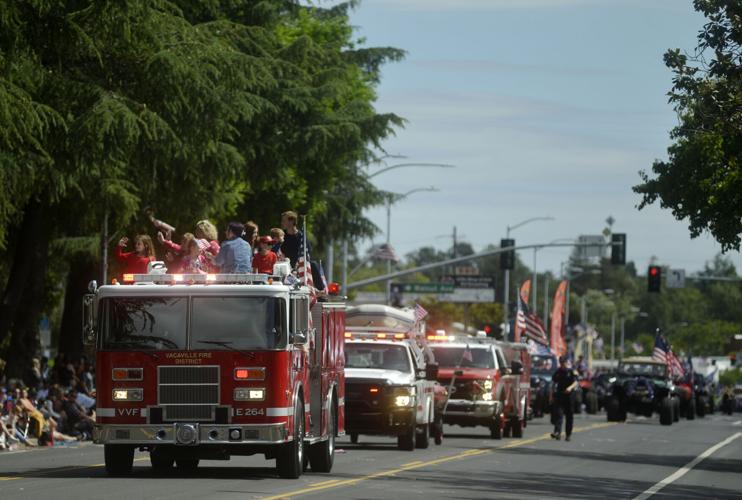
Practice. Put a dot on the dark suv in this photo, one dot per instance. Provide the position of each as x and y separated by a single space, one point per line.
642 386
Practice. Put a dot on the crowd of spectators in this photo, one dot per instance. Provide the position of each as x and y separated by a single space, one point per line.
53 403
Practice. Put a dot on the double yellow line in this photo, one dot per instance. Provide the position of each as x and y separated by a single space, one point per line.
337 483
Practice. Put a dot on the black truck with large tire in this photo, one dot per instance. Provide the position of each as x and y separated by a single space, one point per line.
642 386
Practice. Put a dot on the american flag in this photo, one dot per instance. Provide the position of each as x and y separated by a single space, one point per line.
386 252
467 355
420 312
663 353
529 325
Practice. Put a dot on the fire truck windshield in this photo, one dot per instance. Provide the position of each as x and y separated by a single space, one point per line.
152 323
454 357
377 356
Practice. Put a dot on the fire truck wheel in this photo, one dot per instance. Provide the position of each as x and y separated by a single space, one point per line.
290 460
517 427
495 430
354 437
322 455
119 459
406 441
187 465
160 461
422 436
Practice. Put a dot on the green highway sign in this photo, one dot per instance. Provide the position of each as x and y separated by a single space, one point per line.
422 287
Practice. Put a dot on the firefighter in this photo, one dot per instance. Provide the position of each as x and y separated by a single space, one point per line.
564 382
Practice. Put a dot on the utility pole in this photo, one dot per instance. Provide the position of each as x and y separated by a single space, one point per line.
546 303
623 323
613 335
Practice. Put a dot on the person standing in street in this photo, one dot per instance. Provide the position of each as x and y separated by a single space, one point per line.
564 382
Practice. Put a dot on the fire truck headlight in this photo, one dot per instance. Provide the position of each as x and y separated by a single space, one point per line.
487 397
487 384
128 394
249 394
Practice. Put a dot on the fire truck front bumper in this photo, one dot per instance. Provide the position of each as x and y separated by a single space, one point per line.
467 412
191 434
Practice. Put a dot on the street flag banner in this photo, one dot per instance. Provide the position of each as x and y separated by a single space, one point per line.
528 324
525 291
663 353
520 321
558 344
420 312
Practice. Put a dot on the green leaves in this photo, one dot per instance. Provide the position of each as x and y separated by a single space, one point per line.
701 181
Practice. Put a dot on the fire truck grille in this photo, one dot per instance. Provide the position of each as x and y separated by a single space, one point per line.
188 392
188 413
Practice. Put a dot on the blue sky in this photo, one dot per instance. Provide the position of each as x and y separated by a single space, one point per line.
546 107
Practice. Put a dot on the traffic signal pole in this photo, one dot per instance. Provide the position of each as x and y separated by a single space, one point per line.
457 260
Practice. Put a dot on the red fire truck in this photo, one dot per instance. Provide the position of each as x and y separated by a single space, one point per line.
193 367
484 389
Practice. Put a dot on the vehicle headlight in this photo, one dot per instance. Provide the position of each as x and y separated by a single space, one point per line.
249 394
128 394
612 379
487 385
404 396
487 397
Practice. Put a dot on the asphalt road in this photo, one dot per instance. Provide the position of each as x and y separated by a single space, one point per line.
696 459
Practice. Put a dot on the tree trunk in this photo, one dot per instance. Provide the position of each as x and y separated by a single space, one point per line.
83 268
24 340
21 267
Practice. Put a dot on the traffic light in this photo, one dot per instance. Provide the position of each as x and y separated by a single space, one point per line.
618 249
507 259
654 278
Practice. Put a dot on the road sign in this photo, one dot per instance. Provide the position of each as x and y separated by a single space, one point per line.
675 278
471 281
423 287
591 245
469 295
466 270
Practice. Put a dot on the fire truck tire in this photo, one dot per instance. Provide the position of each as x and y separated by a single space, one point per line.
495 430
516 425
354 437
322 455
119 459
406 441
290 460
160 461
422 436
187 465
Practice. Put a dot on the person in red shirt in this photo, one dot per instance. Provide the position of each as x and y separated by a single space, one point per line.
136 262
263 261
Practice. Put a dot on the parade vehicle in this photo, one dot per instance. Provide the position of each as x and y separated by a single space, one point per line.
516 407
704 401
543 367
686 397
193 367
587 395
483 390
642 386
391 384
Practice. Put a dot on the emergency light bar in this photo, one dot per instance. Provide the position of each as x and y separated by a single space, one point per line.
198 279
375 335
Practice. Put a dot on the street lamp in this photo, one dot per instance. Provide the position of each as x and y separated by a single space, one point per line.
381 171
394 197
506 295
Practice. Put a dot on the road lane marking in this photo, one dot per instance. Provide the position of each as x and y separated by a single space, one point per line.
686 468
737 423
419 464
412 463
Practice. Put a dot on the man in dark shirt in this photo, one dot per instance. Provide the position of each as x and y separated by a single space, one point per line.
564 383
293 237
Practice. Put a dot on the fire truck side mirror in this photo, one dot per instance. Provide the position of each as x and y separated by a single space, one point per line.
299 338
516 367
431 371
88 319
